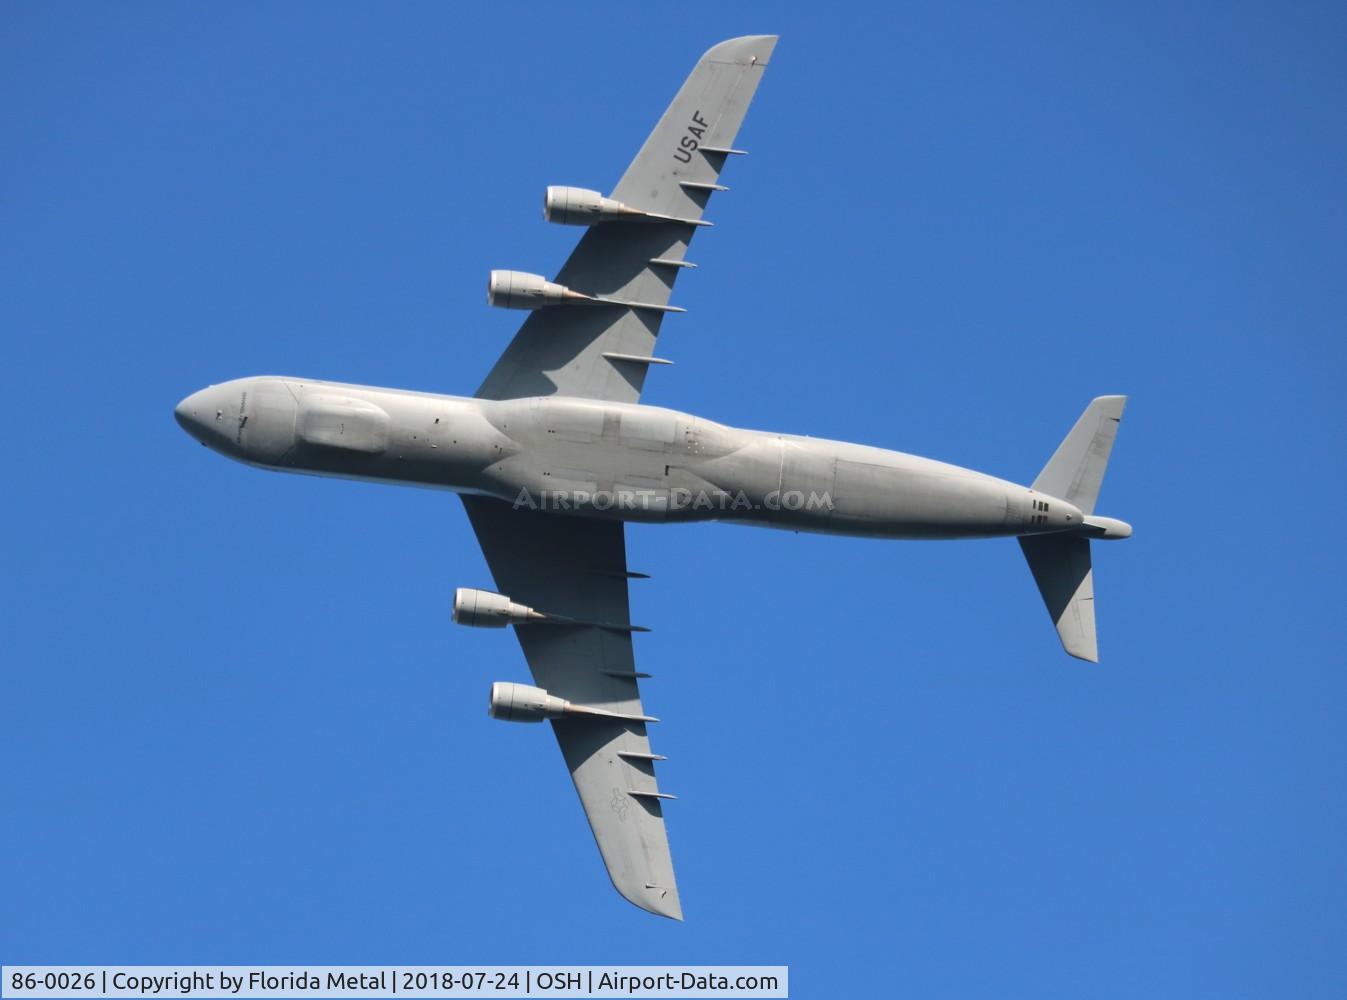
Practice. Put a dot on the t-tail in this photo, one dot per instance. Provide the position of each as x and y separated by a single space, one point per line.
1060 562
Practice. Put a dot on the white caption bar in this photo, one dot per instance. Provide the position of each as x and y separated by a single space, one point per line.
395 981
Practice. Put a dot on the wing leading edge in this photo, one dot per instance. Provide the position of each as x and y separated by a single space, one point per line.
577 568
600 351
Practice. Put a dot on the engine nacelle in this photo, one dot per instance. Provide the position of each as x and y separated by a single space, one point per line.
526 703
485 609
580 207
520 290
523 703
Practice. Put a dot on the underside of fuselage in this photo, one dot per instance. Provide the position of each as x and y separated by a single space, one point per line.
579 457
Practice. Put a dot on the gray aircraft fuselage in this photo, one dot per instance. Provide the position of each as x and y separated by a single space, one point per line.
615 460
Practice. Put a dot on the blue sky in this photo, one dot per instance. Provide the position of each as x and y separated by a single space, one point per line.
238 726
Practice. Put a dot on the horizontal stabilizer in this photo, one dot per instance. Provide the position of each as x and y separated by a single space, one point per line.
1061 568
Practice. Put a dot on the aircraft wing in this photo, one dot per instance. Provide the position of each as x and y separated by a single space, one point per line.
577 568
603 351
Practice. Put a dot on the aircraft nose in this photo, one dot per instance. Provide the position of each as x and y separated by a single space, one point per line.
200 413
188 413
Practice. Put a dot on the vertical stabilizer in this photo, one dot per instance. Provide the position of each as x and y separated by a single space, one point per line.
1076 470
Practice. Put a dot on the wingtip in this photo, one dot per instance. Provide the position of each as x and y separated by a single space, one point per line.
667 906
747 49
662 901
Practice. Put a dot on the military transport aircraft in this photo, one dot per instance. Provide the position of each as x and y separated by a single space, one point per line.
554 453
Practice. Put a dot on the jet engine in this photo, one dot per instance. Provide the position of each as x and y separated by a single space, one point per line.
580 207
523 703
485 609
520 290
526 703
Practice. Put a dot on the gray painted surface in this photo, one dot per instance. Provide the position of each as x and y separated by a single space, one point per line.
1061 564
1061 568
576 567
554 454
1076 470
611 461
559 350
